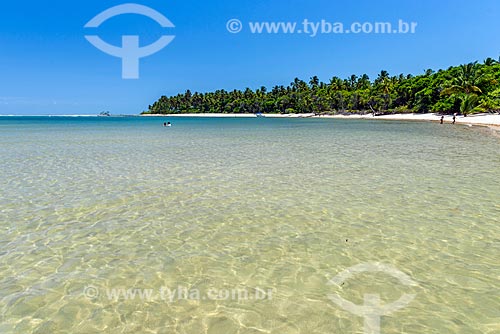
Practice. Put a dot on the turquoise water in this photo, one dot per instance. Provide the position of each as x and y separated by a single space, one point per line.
88 205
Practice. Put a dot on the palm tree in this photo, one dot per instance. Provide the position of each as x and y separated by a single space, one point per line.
383 75
314 82
336 84
490 61
353 81
466 84
364 82
470 103
429 72
466 81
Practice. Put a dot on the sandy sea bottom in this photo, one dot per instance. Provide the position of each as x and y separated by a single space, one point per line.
118 225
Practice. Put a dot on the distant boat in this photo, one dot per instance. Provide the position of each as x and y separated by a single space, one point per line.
259 115
105 114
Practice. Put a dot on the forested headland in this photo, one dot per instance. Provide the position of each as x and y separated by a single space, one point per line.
465 89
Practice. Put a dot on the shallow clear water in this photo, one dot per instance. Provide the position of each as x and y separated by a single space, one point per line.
88 205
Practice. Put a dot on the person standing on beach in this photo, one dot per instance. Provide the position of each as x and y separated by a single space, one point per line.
454 118
442 119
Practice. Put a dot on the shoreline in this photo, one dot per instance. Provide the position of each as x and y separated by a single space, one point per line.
214 115
490 120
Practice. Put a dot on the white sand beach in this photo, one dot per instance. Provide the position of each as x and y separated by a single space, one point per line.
478 119
491 120
310 115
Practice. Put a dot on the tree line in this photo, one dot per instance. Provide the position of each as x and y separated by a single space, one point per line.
464 89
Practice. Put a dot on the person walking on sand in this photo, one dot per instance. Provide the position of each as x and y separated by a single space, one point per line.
454 118
442 119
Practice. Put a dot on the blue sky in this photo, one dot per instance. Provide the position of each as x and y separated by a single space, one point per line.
47 66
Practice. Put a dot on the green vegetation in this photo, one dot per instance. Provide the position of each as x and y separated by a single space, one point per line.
465 89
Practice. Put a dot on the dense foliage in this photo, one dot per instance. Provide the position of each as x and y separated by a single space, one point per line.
463 89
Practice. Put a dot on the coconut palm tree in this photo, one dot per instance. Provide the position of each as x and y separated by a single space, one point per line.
490 61
466 84
314 82
383 75
470 103
466 81
428 72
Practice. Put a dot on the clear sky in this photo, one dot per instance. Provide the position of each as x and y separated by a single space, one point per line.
48 67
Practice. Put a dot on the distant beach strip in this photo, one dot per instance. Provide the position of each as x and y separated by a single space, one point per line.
490 120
